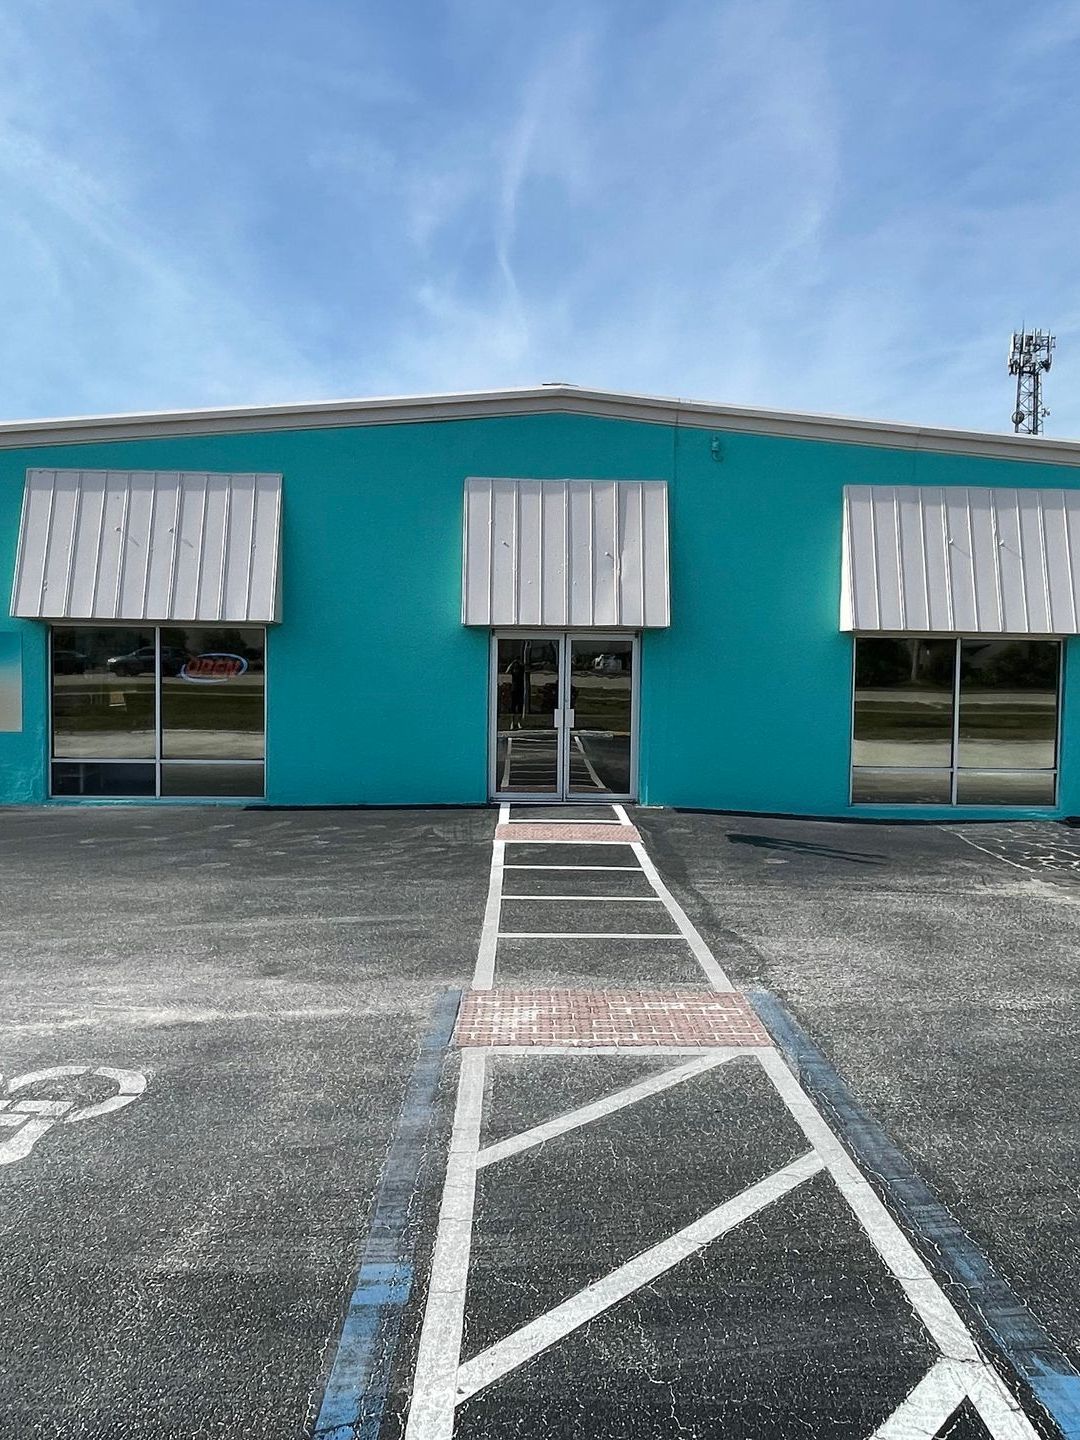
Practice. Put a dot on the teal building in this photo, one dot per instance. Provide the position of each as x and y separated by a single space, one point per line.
552 595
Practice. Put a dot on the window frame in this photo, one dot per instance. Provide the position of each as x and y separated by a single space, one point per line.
157 759
954 770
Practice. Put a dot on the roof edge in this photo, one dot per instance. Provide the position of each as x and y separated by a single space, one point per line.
535 400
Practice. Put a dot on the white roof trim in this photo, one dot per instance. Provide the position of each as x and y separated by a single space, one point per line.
561 399
581 553
149 545
934 560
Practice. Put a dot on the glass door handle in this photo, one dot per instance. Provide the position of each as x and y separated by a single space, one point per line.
571 718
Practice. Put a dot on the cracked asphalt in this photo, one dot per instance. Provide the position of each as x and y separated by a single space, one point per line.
179 1268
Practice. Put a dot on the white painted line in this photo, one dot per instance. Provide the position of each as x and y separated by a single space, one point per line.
584 935
591 899
935 1398
586 1114
626 869
940 1394
1000 1412
702 954
431 1413
624 819
1027 869
484 974
926 1296
506 1355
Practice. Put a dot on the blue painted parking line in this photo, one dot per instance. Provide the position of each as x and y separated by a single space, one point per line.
355 1395
990 1304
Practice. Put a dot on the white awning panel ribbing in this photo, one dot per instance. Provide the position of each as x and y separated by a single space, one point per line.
566 553
975 561
159 545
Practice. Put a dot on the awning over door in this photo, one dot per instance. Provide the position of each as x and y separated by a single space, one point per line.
159 545
566 553
977 561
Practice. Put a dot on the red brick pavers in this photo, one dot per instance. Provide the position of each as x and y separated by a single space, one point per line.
607 1017
567 830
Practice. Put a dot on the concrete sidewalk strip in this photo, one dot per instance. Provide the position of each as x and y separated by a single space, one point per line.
608 1017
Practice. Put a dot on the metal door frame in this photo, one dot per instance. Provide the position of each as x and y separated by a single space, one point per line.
560 795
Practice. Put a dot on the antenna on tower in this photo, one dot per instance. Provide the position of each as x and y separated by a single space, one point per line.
1030 355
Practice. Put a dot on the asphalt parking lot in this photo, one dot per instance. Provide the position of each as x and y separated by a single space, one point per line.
939 969
180 1266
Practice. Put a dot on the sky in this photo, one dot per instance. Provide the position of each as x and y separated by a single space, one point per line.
821 205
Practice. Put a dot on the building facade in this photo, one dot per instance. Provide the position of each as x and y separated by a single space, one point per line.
548 594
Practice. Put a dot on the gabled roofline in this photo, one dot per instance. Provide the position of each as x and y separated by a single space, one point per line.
536 400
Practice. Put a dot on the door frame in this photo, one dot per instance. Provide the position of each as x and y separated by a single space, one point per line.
563 638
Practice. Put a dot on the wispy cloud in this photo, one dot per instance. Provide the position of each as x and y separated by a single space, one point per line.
787 202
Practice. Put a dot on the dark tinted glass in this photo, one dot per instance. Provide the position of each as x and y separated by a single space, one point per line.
191 778
903 702
901 787
102 693
212 694
89 778
1008 704
1003 787
527 753
601 696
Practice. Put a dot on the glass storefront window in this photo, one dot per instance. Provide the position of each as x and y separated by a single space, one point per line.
959 721
900 787
103 694
212 694
1008 704
191 778
903 703
188 702
101 778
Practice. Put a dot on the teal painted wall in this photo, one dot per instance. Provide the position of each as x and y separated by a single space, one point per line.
378 695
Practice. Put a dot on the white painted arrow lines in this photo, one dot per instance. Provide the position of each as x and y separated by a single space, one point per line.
507 1354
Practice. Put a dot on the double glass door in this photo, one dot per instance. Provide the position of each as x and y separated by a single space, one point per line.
564 716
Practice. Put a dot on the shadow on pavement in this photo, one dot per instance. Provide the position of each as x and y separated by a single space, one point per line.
806 847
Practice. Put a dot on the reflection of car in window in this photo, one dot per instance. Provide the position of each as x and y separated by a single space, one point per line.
144 660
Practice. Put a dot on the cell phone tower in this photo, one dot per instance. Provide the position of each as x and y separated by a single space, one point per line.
1030 355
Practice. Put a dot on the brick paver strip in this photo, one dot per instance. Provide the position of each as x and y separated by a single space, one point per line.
567 830
607 1017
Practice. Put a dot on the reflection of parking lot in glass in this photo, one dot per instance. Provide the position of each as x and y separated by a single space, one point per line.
590 752
97 714
601 697
200 719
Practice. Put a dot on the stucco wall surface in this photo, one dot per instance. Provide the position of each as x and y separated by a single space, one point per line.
377 694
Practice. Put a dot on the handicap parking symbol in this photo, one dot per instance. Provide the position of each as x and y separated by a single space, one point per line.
30 1119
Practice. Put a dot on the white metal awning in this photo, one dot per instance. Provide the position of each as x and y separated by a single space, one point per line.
566 553
158 545
976 561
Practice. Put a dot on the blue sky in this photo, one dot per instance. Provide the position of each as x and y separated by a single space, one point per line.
807 204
